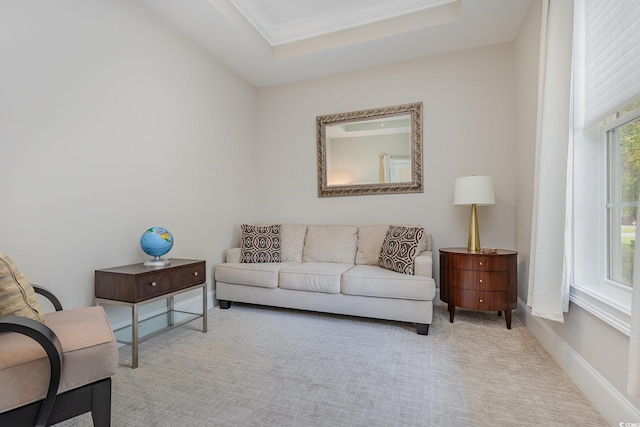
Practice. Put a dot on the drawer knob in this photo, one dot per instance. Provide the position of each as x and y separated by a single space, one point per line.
195 273
481 301
153 284
480 280
480 263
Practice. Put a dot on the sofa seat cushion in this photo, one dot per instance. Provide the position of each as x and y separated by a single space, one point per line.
90 353
374 281
263 274
314 276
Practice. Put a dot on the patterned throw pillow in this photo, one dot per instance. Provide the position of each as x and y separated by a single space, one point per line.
17 296
260 243
400 248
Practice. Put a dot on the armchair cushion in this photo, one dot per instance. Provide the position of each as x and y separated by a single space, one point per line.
16 293
89 353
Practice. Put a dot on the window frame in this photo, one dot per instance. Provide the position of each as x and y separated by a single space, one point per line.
607 299
609 126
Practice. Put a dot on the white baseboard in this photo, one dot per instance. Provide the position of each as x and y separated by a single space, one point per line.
612 404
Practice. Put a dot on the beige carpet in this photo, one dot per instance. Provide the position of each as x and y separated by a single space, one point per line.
260 366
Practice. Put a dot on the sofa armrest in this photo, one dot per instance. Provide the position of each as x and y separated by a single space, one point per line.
424 264
48 340
232 255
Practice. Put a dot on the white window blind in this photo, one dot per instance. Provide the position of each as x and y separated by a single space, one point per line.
612 57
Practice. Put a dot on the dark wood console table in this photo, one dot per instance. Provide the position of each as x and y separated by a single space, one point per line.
135 285
479 280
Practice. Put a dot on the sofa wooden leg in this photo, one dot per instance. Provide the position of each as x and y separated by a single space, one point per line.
422 328
224 304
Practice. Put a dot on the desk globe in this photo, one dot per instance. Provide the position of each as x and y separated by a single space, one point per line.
156 241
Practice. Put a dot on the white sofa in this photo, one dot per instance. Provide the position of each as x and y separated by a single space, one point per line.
333 269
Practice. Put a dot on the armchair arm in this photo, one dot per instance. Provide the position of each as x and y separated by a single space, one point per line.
49 295
48 340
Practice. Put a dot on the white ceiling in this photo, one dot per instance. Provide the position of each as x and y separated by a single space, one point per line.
270 42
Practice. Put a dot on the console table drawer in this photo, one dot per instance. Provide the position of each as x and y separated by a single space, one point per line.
482 280
135 283
481 300
154 284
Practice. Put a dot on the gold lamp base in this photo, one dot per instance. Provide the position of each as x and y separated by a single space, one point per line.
474 234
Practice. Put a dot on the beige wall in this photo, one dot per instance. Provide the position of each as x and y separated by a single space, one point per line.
112 122
469 128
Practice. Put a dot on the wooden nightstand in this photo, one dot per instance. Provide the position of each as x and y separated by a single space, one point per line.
479 281
135 285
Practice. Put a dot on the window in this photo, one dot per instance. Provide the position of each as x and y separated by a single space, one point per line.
605 168
622 134
606 188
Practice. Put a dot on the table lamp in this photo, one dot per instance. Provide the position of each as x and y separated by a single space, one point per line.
474 191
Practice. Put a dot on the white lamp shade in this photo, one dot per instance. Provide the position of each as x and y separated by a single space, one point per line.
476 190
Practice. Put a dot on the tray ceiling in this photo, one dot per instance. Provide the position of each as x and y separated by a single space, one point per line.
270 42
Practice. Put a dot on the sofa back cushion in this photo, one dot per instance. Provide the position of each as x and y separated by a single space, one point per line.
330 243
370 238
292 241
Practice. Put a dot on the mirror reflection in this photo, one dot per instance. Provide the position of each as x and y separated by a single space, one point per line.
371 151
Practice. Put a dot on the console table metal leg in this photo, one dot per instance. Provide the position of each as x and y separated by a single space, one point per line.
170 306
134 336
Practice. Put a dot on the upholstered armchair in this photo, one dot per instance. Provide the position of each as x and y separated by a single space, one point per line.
53 366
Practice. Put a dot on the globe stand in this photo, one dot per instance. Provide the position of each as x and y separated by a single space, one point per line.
157 262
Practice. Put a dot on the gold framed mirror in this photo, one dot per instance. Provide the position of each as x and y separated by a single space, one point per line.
376 151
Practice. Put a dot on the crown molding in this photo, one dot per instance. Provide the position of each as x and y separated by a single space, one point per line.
355 15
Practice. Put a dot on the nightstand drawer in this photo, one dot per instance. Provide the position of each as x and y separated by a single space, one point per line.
481 300
482 263
481 280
